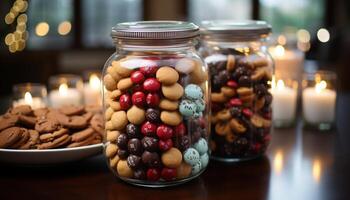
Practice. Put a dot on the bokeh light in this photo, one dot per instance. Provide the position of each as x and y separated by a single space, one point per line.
42 29
323 35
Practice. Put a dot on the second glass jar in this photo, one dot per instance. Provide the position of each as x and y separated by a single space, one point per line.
241 71
155 104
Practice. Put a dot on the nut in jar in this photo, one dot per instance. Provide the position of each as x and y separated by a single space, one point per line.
156 105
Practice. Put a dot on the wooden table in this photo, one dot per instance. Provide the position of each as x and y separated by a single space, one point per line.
299 164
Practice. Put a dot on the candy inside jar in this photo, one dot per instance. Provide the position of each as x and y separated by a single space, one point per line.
156 116
241 70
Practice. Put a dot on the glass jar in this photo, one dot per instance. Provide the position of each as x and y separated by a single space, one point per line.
155 104
240 70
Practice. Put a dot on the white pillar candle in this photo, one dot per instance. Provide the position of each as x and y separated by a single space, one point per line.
288 63
34 102
92 91
284 103
65 96
319 104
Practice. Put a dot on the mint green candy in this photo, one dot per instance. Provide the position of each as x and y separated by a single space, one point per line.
191 156
196 168
201 146
187 108
200 103
204 160
193 91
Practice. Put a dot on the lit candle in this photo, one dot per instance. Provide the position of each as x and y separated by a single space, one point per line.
283 104
65 96
319 103
92 91
288 63
34 102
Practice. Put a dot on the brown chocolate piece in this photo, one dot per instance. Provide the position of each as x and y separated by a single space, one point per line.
10 136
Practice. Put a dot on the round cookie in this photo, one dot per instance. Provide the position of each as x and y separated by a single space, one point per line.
71 110
39 112
76 122
172 158
9 136
33 139
172 118
47 125
168 104
23 140
8 120
21 110
96 123
119 120
46 137
136 115
82 135
27 121
173 92
61 141
124 170
167 75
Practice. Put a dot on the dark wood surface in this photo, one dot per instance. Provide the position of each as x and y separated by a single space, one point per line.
299 164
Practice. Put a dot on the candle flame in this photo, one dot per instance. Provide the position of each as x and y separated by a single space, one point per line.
278 162
320 86
316 170
94 82
279 50
28 98
280 84
63 89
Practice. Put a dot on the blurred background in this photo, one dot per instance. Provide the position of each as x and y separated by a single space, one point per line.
40 38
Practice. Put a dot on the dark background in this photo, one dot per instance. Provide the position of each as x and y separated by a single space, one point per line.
74 53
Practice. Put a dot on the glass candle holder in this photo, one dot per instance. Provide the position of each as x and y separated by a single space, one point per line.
92 88
65 89
319 99
285 93
33 94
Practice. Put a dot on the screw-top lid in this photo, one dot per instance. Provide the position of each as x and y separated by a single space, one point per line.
155 30
237 29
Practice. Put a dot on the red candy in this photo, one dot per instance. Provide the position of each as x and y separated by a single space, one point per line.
137 77
165 132
180 130
148 129
139 99
125 101
153 174
149 71
247 112
232 84
165 145
235 102
168 174
151 85
152 100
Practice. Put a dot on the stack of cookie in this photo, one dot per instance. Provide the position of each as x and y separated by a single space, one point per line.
48 128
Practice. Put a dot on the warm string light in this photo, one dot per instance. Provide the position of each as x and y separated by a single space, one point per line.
16 41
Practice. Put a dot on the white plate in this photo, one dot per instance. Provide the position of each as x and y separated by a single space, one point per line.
49 156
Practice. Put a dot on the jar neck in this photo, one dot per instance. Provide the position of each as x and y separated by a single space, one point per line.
155 45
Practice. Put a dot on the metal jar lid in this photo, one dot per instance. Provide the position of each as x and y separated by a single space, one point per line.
235 29
155 30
